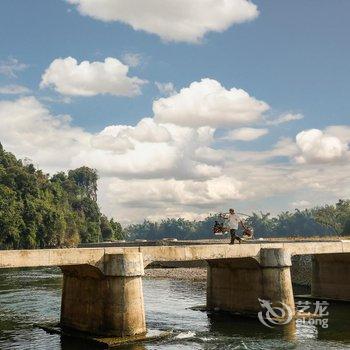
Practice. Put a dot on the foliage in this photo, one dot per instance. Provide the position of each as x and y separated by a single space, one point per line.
37 211
320 221
110 229
335 217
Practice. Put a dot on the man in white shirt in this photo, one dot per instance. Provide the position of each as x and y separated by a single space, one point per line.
233 222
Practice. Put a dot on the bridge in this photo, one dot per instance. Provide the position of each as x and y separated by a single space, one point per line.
102 286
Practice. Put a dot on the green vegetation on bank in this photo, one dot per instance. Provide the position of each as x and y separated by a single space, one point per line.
329 220
39 211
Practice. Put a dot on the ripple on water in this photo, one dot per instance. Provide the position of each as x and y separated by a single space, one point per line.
33 296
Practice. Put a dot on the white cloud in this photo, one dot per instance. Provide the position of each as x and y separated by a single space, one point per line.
132 59
301 204
146 130
13 90
179 20
159 193
156 199
245 134
166 89
316 146
56 99
209 155
208 103
176 213
11 66
149 150
29 130
68 77
342 132
122 138
160 169
285 118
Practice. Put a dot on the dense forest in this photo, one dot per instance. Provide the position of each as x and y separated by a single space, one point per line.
329 220
38 211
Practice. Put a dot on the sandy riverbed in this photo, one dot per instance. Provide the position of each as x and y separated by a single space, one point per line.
193 274
301 271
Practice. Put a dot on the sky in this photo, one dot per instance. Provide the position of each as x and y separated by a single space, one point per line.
184 108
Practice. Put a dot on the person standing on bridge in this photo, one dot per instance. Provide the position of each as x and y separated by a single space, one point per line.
233 223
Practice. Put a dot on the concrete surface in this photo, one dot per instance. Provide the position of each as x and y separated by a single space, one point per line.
109 304
96 256
331 277
236 285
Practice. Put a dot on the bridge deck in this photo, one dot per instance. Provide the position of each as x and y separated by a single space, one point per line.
94 256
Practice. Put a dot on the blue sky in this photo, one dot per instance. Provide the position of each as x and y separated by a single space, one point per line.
294 56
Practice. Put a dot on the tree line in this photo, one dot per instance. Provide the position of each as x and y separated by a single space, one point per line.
39 211
328 220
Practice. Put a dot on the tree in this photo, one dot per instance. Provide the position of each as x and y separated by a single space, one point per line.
336 217
11 222
37 211
118 232
86 179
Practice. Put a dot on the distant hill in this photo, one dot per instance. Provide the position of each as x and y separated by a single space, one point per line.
39 211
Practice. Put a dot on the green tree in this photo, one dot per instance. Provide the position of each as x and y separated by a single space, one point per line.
37 211
336 217
86 180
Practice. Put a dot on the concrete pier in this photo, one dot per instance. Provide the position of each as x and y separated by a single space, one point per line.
105 301
235 285
330 276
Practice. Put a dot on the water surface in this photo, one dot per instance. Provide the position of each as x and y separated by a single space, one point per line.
32 296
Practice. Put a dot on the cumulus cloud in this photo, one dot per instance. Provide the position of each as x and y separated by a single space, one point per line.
156 199
68 77
245 134
122 138
317 146
185 193
209 155
146 130
147 150
342 132
14 90
155 169
208 103
29 130
285 118
179 20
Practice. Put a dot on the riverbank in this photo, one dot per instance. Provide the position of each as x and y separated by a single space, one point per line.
190 274
196 271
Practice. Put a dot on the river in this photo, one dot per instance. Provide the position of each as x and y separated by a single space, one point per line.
32 296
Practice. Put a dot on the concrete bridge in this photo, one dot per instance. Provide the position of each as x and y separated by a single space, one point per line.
102 287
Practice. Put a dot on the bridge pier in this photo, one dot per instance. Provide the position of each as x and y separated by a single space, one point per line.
105 301
330 276
235 285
